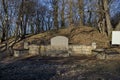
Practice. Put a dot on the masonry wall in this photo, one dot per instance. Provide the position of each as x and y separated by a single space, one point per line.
72 49
34 49
80 49
48 50
23 52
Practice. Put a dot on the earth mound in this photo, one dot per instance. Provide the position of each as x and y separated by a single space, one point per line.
76 35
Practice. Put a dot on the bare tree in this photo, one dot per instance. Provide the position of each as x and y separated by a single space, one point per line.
55 13
70 12
63 14
5 24
27 9
107 17
81 11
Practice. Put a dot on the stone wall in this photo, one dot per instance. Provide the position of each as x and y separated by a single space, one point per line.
26 45
34 49
72 49
22 52
48 50
80 49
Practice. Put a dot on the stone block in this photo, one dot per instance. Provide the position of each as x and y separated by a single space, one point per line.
34 49
20 52
81 49
94 46
16 53
59 43
101 56
26 45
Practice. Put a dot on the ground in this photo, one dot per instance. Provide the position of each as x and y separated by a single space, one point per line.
71 68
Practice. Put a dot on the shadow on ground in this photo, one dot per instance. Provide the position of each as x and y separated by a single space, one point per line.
72 68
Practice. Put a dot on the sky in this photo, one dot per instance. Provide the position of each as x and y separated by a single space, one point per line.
115 7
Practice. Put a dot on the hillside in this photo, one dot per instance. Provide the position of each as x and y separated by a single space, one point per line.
76 35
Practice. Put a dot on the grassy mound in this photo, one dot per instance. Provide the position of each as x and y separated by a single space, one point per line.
77 35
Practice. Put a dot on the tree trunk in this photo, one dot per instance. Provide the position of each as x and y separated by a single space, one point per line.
3 36
71 12
117 28
55 14
101 21
62 14
81 11
107 17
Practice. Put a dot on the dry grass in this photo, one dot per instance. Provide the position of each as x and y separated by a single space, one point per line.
76 35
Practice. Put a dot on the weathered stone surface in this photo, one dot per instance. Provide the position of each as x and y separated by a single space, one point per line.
94 46
34 49
42 48
101 56
100 53
113 56
80 49
21 52
26 45
59 43
57 53
16 53
48 48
